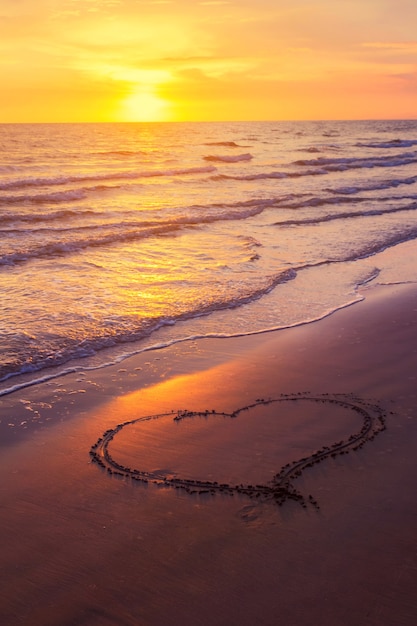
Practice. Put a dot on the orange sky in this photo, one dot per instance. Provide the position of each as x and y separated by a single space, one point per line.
143 60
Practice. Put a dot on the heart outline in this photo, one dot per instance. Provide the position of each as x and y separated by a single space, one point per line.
280 489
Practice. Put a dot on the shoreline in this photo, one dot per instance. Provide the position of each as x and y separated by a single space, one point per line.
83 547
77 366
211 349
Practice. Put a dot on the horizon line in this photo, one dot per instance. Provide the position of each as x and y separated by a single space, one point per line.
269 121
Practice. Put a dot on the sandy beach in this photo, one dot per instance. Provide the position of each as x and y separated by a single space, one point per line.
82 545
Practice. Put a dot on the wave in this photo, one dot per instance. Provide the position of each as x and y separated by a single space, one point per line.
125 175
193 215
394 143
344 215
302 201
89 347
122 153
269 175
229 159
341 163
312 149
86 348
41 198
75 229
59 249
318 201
81 193
386 184
196 214
140 230
58 373
56 197
393 239
45 217
324 166
226 144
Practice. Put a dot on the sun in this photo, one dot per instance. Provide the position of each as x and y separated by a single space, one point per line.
143 105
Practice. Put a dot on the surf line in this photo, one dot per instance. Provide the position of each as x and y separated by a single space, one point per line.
280 489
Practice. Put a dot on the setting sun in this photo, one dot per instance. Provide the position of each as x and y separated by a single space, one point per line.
144 106
142 102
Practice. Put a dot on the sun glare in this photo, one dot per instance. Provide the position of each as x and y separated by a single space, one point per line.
139 93
144 106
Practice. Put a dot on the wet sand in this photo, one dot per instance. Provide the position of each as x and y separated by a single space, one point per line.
82 545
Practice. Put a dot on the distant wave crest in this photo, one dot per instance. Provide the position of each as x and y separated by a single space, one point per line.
394 143
342 163
34 218
125 175
323 165
229 158
345 215
226 144
376 186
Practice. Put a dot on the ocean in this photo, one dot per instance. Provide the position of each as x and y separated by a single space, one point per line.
120 238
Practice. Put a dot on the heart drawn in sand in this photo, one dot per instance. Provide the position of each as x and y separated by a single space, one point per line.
277 490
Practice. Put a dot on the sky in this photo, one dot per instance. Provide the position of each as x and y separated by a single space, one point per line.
187 60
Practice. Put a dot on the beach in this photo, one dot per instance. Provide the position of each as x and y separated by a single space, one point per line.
84 546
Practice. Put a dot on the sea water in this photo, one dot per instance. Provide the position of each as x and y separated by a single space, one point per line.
117 238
